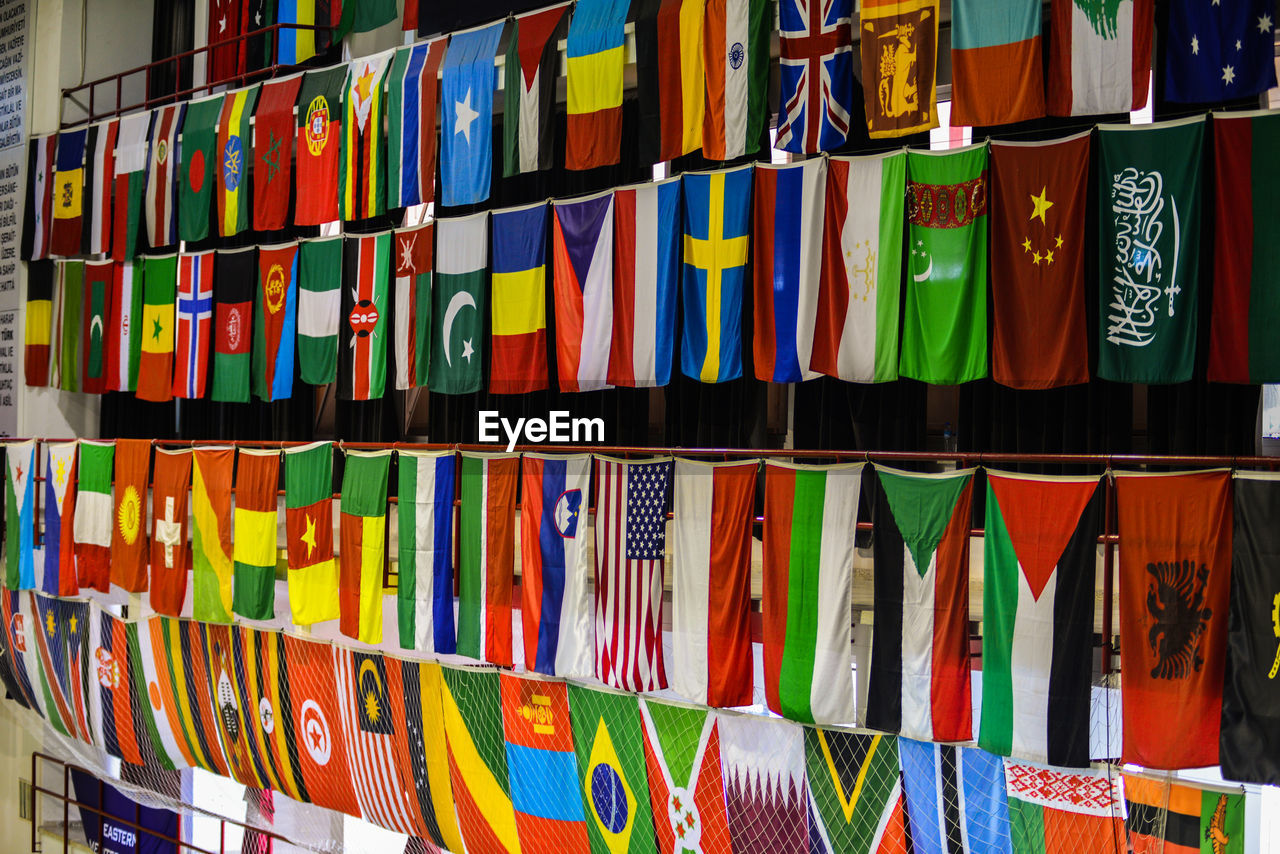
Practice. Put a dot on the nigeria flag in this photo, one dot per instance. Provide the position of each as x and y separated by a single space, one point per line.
457 311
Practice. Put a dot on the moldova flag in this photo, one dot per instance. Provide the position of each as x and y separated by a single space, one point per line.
68 193
519 362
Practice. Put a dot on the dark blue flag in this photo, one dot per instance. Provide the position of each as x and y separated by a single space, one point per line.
1220 51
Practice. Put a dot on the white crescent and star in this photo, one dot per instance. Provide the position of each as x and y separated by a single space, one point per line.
460 300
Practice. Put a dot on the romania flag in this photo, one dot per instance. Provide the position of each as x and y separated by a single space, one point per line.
519 362
595 57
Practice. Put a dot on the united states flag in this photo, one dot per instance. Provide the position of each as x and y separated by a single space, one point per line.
631 538
816 71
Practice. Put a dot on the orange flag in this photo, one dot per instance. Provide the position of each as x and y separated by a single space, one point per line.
170 555
129 539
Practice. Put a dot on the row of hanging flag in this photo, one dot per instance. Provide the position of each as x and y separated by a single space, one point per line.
478 760
591 597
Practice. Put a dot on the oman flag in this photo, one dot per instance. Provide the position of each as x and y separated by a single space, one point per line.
584 291
646 268
919 683
195 316
129 541
486 528
711 587
155 365
1040 550
363 550
362 339
308 501
682 755
275 321
92 526
170 555
413 305
253 592
807 589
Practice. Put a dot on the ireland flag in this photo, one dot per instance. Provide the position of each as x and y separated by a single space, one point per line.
457 312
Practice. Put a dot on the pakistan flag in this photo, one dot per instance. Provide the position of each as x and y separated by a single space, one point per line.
457 307
1148 250
944 332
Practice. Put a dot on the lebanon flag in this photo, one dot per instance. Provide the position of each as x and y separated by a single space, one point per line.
162 188
530 91
807 588
362 551
92 526
486 530
124 338
131 179
129 540
735 54
1175 571
1040 550
1099 56
646 255
584 291
711 634
362 340
275 321
273 152
195 317
413 305
788 222
919 683
170 554
682 757
856 334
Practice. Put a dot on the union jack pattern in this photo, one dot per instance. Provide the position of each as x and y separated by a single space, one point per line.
816 70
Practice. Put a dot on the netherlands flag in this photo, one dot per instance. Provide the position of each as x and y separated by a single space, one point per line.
646 264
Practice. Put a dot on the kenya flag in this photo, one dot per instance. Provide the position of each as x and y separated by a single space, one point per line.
362 337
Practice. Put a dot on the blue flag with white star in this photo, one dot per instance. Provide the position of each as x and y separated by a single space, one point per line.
466 115
1220 51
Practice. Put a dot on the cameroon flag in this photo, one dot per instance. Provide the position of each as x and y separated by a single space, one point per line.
155 369
363 547
308 501
255 543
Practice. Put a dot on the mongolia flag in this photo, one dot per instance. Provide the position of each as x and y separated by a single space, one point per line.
413 305
646 267
195 319
996 74
584 291
155 364
275 321
19 515
59 508
542 766
594 59
717 238
466 109
788 221
556 609
362 553
68 193
519 361
362 350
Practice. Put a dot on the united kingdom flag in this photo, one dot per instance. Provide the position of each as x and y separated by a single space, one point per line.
816 68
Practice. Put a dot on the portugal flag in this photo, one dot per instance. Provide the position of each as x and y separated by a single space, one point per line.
129 540
308 499
155 367
362 334
319 126
363 550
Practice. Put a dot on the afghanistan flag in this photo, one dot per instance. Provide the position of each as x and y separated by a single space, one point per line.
68 193
308 501
1175 571
529 91
1038 596
735 53
457 311
170 554
362 356
919 682
59 511
129 540
234 276
99 282
413 305
254 554
275 321
38 323
196 172
234 136
19 515
131 179
93 515
1163 817
362 183
582 243
211 533
486 529
856 791
518 362
594 60
363 549
273 152
670 81
319 128
1058 812
413 87
997 75
1149 184
155 365
193 322
899 49
319 304
682 760
424 589
944 336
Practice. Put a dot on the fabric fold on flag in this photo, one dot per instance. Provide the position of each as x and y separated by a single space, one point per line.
19 515
646 269
518 362
362 182
529 91
366 280
308 501
413 90
467 83
275 321
211 554
363 545
95 330
583 256
424 589
594 60
815 70
458 304
100 177
413 249
486 530
253 582
1099 56
899 51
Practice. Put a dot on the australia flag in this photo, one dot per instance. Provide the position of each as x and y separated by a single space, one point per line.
816 68
1220 52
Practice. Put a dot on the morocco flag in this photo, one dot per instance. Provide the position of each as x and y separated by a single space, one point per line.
308 501
273 152
129 540
155 367
319 126
1175 572
275 322
362 337
170 556
363 549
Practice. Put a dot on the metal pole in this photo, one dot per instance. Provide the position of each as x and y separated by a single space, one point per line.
1108 582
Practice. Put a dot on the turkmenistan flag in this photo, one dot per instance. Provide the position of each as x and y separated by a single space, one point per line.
944 331
363 549
1040 547
856 789
19 516
155 367
255 534
487 528
808 589
211 533
424 594
308 501
319 304
196 173
457 314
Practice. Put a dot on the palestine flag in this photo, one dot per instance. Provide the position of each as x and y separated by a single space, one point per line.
155 366
457 349
856 791
319 302
1162 817
308 501
363 549
530 91
254 553
362 354
686 789
99 282
234 276
486 528
195 174
275 322
1038 596
319 126
234 137
944 330
919 682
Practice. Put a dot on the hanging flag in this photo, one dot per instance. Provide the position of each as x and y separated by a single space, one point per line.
486 530
1175 571
1037 274
788 215
362 356
955 800
765 793
162 188
46 662
253 591
170 554
944 337
856 789
110 689
735 57
583 291
413 305
273 134
308 501
815 68
670 80
519 336
711 634
466 108
233 287
362 188
363 549
630 545
899 47
1216 54
1148 307
996 73
1039 554
214 643
132 156
919 681
235 135
1099 56
594 59
37 323
68 193
365 17
196 170
68 322
319 132
413 89
174 725
556 604
424 591
266 713
37 220
717 237
194 319
92 527
1061 811
73 617
129 539
319 302
275 321
457 310
59 511
224 28
807 588
19 515
99 281
296 46
124 336
529 91
100 176
1164 816
682 757
17 683
1242 347
612 782
542 766
645 271
211 533
155 363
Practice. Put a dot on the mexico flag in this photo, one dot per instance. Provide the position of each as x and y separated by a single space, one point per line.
363 550
93 513
308 501
487 528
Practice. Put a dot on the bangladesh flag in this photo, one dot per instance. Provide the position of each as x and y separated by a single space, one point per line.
363 549
275 321
1149 250
319 305
457 313
308 501
234 277
155 367
686 789
856 791
255 534
195 188
944 331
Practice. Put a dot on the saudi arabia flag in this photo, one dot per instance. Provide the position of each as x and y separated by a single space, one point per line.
457 313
